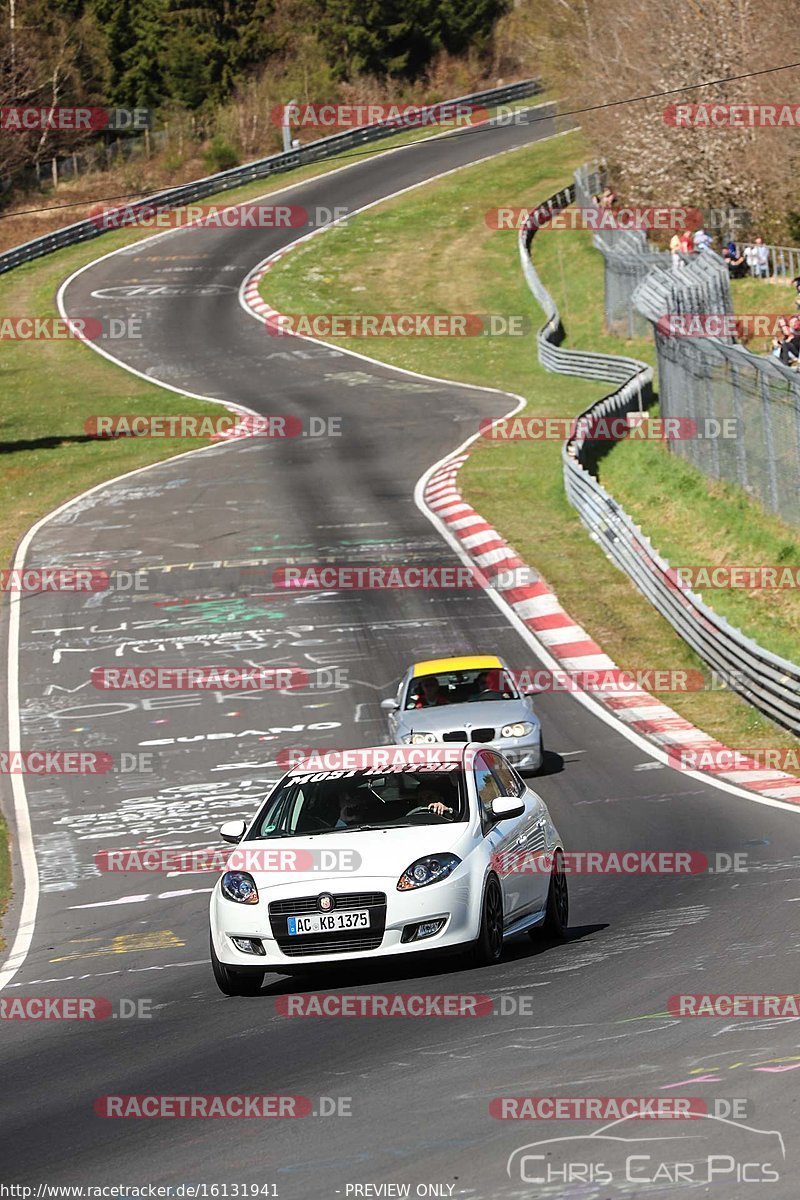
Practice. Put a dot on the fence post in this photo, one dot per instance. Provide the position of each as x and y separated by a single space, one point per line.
741 450
766 410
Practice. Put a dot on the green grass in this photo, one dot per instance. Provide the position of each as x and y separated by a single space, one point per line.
517 486
758 296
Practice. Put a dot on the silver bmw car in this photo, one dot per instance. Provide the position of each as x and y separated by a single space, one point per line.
467 699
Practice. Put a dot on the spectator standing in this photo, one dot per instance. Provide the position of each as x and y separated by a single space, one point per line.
675 251
687 242
702 240
757 258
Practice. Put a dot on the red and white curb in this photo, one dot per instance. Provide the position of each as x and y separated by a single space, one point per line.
251 293
538 607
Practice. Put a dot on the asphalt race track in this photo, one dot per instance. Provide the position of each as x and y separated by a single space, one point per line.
585 1018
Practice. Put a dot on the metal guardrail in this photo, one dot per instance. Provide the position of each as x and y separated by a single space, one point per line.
199 189
767 681
784 261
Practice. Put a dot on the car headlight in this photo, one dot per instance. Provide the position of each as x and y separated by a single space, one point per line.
422 739
518 729
427 870
239 886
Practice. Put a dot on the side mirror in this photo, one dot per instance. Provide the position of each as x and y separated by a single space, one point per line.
233 831
506 807
389 705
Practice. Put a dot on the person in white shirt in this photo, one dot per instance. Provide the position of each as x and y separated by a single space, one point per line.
756 256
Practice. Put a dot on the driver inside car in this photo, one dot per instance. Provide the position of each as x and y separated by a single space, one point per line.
430 694
427 798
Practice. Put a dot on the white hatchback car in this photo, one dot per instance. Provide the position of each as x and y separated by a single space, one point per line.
391 850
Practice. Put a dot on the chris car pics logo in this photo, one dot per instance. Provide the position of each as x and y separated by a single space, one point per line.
710 1150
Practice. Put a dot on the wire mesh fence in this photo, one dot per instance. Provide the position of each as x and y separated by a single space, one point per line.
747 406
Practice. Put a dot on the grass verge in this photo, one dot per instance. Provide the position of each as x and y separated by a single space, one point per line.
517 486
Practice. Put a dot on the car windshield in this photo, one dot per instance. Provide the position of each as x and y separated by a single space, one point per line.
460 687
331 801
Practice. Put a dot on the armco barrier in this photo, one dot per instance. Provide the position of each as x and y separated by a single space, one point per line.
770 683
198 189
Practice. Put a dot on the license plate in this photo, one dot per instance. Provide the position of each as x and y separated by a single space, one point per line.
358 918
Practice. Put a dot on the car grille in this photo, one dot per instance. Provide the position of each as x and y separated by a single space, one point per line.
332 943
307 904
475 735
342 941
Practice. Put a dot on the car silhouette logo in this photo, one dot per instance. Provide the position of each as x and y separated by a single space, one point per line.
325 902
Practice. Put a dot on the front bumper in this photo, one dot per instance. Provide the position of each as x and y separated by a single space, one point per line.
523 753
452 899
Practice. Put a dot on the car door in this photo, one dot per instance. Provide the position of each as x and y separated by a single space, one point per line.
530 841
502 837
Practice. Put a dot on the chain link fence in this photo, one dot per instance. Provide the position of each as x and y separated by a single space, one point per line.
748 405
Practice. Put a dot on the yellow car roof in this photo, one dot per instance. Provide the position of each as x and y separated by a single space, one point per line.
470 662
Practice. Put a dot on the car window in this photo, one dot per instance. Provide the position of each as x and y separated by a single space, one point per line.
310 803
508 779
487 787
460 687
